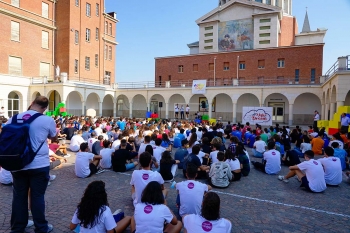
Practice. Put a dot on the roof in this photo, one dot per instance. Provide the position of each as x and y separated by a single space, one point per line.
194 44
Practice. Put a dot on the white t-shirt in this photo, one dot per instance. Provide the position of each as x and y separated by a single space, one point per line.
332 170
106 154
260 146
187 109
147 132
199 135
151 218
5 176
105 223
316 117
91 141
140 178
213 155
142 147
82 162
98 131
157 153
341 144
75 142
195 223
40 129
176 108
200 155
190 148
234 164
192 193
273 161
314 174
116 144
304 147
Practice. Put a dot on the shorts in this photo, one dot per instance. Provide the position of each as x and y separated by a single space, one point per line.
54 164
236 176
93 169
187 113
305 184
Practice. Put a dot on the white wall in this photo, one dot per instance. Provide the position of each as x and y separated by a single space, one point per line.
306 104
309 38
274 31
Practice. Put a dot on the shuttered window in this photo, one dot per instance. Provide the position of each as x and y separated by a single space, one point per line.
15 65
45 39
96 60
15 3
14 31
44 69
45 10
110 53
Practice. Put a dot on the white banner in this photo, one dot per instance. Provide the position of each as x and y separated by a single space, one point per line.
199 86
257 115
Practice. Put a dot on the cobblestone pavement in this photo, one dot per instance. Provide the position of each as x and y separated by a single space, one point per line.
257 203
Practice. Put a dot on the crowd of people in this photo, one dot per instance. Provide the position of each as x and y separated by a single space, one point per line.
214 154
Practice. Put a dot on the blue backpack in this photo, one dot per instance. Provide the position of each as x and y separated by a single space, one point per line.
15 146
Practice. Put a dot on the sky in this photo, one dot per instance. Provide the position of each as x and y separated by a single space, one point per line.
158 28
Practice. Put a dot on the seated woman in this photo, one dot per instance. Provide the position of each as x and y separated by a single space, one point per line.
121 157
168 166
220 172
209 220
151 213
234 164
93 213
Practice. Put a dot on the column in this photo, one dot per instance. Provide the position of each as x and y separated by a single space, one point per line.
332 108
234 113
130 110
323 113
339 104
210 107
83 108
114 109
100 108
290 116
167 110
326 112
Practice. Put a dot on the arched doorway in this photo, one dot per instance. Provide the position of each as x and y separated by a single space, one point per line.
246 100
74 104
180 100
347 99
304 107
54 99
123 106
222 107
155 107
13 102
107 106
92 104
197 103
139 106
35 94
280 107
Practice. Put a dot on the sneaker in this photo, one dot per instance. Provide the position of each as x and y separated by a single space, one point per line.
281 178
49 228
52 177
117 211
48 184
100 171
66 156
30 213
30 223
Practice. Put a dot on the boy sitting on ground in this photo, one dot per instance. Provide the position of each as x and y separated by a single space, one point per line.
332 167
86 163
220 172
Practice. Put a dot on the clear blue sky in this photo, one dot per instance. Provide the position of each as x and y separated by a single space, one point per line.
156 28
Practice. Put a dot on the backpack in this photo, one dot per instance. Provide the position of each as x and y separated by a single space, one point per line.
15 146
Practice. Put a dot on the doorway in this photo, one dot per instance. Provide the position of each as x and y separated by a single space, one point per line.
154 106
277 111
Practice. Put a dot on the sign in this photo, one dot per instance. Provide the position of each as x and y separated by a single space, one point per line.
199 86
257 115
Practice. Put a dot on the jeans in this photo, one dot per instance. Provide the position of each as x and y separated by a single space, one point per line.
129 166
257 154
36 180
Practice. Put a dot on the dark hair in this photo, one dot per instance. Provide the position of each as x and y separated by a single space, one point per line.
106 143
211 206
240 150
306 139
158 141
84 146
229 155
145 159
166 157
191 170
196 149
193 139
100 137
338 137
309 153
184 142
329 151
271 145
149 149
147 138
220 156
165 137
42 101
335 144
92 204
152 194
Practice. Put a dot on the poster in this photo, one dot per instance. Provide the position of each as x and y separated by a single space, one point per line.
257 115
199 86
204 105
236 35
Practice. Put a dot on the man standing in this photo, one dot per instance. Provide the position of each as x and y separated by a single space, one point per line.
316 118
34 176
182 112
176 110
345 121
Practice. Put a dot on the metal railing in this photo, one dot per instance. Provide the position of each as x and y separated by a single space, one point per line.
71 79
336 67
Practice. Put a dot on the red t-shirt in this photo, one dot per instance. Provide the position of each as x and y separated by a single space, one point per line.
54 147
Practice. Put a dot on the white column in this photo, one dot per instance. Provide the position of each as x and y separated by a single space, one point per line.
167 110
114 109
326 112
100 108
130 110
323 114
210 107
83 108
290 116
332 108
234 113
339 104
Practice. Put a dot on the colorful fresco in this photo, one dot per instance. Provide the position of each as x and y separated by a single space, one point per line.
236 35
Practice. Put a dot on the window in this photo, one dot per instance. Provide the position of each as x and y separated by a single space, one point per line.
280 80
195 68
264 34
296 77
242 65
265 20
76 37
45 10
226 66
264 42
259 1
88 9
208 41
14 31
44 69
97 9
208 34
313 73
268 2
96 60
97 33
110 29
106 51
45 39
76 2
180 69
106 27
13 104
15 3
15 65
107 78
110 53
261 64
88 34
208 47
87 63
169 77
265 27
211 66
76 63
280 63
261 80
208 28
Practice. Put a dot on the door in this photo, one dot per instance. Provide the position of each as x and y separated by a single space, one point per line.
154 106
277 112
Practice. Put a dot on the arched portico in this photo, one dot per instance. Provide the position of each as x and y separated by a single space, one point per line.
75 104
180 100
54 99
222 107
333 102
139 106
123 106
107 105
93 105
155 106
304 107
281 108
245 100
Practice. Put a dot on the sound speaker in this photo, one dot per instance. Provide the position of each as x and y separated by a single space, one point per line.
160 104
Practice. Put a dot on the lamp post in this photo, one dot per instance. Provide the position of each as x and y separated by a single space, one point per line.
214 71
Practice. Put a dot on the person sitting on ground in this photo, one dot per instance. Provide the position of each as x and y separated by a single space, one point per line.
317 144
55 160
166 143
220 172
147 140
121 157
206 147
202 170
259 147
154 165
243 159
305 145
272 161
337 138
233 143
181 153
69 131
235 165
290 158
116 143
92 140
86 134
106 153
60 150
209 220
214 153
168 166
313 179
247 135
191 191
140 178
340 153
251 139
86 163
98 145
93 213
332 167
75 141
158 150
152 215
237 133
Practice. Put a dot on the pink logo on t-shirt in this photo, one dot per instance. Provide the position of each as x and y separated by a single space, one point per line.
207 226
145 176
316 163
190 185
273 153
26 117
334 159
148 209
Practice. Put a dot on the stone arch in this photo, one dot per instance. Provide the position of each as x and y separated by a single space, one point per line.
154 105
14 103
180 100
74 103
139 106
195 102
223 107
54 99
333 97
92 104
304 107
280 104
107 105
123 105
35 94
246 100
347 99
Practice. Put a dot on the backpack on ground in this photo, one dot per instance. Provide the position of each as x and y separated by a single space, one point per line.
15 146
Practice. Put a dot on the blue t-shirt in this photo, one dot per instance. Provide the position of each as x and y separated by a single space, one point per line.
180 155
251 140
246 136
341 154
191 158
122 125
280 148
238 134
177 142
